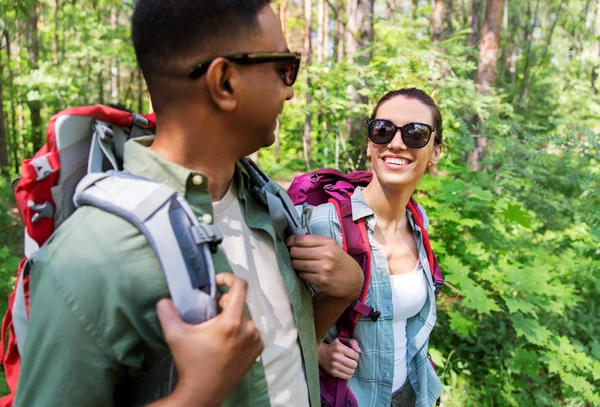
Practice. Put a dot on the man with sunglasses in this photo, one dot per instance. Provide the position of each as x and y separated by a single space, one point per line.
218 72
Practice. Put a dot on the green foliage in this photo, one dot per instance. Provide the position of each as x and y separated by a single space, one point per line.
519 238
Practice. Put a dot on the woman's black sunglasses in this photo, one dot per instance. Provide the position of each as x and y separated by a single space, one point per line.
414 135
291 61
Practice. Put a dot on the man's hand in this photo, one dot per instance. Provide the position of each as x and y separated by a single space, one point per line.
321 262
211 357
338 359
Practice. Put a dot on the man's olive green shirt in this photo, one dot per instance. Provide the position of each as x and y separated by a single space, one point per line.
94 289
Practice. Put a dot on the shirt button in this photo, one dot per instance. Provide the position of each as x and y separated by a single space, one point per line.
197 179
207 218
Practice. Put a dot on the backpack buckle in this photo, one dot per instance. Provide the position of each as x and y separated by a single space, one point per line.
205 233
374 315
44 210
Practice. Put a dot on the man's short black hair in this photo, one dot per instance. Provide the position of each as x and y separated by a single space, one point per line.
169 30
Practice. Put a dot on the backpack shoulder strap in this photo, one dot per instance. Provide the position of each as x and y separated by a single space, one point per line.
356 244
434 267
178 239
284 216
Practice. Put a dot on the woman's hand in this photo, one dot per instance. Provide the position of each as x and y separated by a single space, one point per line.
338 359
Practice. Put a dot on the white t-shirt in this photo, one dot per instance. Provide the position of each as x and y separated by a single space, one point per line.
251 254
409 293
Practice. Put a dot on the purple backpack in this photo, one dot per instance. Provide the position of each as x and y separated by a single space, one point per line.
332 186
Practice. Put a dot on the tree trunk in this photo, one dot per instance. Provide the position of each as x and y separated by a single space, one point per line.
448 13
4 161
35 106
359 31
12 133
140 91
340 31
55 38
596 69
326 43
321 31
486 72
475 22
308 56
359 41
437 21
283 15
114 70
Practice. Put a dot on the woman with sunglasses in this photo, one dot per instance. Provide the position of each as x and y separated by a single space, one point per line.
386 363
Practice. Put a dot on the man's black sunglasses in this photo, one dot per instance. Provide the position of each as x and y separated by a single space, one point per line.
414 135
288 75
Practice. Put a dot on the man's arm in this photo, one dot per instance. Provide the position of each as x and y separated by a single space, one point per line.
320 261
212 357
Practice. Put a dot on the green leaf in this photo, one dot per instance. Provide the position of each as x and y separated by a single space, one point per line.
477 299
530 329
516 304
462 325
516 213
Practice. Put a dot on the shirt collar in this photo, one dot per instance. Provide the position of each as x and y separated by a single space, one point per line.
140 160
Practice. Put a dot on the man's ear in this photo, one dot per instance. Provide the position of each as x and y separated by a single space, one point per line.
221 80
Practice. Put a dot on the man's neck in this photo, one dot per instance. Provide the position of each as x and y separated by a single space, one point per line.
195 153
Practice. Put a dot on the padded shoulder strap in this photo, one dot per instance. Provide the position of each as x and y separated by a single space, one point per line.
179 241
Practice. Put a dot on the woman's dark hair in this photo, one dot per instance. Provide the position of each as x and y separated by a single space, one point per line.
416 94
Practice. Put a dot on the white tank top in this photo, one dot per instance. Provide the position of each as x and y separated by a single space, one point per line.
409 293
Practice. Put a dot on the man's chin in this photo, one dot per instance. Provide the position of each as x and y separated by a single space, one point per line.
270 140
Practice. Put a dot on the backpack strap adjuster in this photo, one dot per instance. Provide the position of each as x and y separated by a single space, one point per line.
205 233
365 310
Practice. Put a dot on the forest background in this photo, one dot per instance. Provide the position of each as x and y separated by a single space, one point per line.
514 202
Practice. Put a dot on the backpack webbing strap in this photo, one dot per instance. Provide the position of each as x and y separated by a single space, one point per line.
284 216
20 319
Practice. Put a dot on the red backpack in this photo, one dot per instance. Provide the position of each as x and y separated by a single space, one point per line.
64 161
332 186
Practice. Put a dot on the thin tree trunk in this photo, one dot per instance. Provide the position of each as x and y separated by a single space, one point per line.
340 31
448 12
12 135
4 157
359 41
283 16
114 70
437 21
486 72
308 56
528 56
140 91
596 69
475 22
55 39
35 107
326 43
320 31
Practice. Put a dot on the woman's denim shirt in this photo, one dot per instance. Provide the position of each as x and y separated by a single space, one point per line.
372 381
